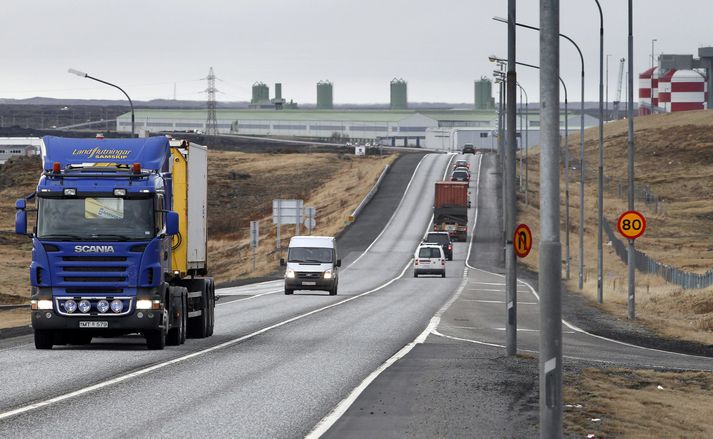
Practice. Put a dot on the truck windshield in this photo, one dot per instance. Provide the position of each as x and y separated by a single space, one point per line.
95 218
310 254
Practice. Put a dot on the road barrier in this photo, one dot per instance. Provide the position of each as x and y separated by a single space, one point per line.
646 264
368 196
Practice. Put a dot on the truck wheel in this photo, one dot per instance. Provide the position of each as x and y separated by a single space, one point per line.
43 339
156 339
443 274
174 334
333 291
289 292
198 326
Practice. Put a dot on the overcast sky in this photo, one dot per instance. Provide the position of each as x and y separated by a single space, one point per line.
438 46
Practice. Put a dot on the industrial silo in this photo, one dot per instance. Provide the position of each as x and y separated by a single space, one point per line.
484 94
688 91
261 93
399 100
325 97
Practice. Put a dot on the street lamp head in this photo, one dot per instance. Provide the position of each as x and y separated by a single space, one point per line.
77 72
493 58
500 19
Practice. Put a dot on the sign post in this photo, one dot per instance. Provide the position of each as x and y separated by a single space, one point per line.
310 218
254 238
287 212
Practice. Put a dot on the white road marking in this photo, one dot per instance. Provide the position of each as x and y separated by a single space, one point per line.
147 370
498 301
534 293
332 417
393 215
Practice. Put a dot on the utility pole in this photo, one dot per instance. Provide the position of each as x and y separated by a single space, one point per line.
631 299
509 182
600 186
550 271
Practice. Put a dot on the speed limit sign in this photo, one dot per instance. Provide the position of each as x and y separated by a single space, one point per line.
631 224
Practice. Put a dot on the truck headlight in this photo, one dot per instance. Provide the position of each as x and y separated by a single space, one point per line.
148 304
41 304
70 306
290 273
84 306
117 306
102 306
328 274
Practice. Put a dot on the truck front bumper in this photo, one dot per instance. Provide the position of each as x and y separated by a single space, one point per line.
50 320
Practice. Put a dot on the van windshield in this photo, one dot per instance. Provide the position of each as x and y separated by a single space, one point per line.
320 255
429 252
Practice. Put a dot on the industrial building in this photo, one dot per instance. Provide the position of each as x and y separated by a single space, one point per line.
388 127
677 83
398 126
18 146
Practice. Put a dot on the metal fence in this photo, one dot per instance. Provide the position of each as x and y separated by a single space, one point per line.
646 264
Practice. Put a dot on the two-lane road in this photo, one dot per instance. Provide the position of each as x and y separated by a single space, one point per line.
275 366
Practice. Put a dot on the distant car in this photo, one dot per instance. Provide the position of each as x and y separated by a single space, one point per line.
461 168
468 148
444 240
461 163
460 176
429 259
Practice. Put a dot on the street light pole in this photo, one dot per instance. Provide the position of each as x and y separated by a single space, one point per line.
510 194
631 290
550 266
581 135
131 104
606 100
600 185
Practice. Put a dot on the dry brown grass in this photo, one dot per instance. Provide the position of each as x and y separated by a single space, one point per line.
334 197
241 188
15 317
630 404
674 158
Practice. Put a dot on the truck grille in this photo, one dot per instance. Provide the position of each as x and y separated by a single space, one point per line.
308 275
98 269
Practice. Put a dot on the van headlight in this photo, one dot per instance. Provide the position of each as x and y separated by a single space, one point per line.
328 274
290 273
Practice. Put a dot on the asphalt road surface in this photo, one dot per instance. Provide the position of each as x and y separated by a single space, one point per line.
459 382
390 356
276 365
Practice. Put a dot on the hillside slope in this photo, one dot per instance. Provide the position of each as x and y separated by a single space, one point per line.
674 160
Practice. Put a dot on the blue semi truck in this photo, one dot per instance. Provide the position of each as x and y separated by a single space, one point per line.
119 241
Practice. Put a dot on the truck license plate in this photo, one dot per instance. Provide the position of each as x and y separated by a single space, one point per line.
309 283
93 324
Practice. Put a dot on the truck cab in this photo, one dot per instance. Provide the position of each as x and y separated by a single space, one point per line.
111 243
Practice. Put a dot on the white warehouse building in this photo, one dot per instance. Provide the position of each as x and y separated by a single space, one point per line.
424 128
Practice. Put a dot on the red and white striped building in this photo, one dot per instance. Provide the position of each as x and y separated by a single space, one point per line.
645 90
688 91
675 90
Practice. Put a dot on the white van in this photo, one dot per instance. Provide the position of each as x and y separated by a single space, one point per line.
429 259
312 264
